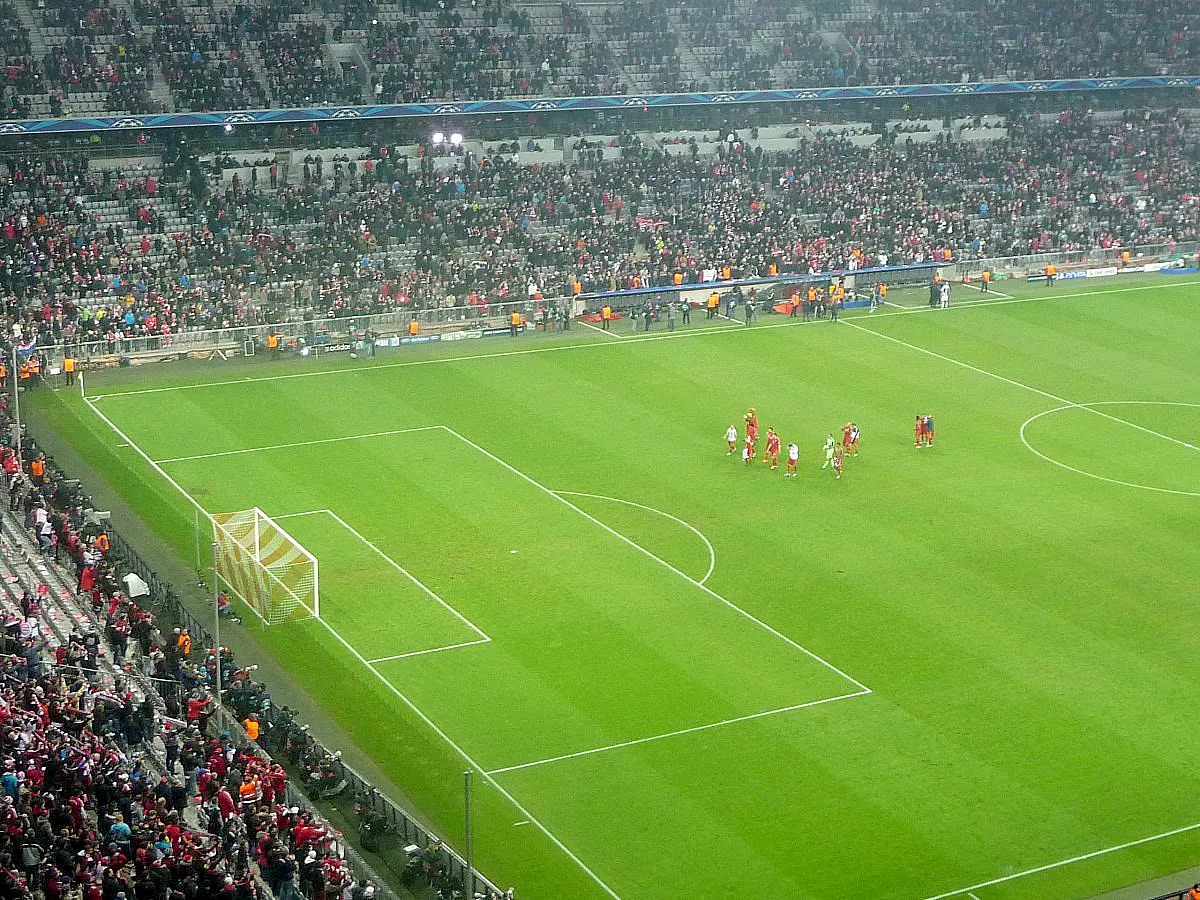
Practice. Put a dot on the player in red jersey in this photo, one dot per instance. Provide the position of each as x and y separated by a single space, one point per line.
852 446
752 419
772 454
748 450
919 431
846 436
927 425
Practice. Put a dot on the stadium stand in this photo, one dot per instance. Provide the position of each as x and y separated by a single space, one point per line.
146 246
86 56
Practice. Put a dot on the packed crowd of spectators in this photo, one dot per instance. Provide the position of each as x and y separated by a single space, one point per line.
350 236
256 53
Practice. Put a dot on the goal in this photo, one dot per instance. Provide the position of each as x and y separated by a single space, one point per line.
265 566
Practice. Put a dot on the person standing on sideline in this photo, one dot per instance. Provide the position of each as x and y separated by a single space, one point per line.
687 313
273 344
606 317
514 323
985 282
670 317
749 312
69 369
945 295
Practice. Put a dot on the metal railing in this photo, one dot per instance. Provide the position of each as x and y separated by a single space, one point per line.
1032 264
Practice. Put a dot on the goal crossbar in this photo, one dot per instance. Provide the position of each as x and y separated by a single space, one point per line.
265 566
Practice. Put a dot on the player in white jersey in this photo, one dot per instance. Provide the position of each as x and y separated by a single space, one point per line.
731 438
793 460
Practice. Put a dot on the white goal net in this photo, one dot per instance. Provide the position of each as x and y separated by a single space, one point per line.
265 566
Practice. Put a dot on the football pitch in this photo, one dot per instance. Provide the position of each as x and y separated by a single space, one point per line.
960 671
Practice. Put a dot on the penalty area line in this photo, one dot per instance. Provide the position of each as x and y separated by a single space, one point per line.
313 443
681 731
396 692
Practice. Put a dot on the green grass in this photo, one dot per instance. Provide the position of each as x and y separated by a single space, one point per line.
1025 628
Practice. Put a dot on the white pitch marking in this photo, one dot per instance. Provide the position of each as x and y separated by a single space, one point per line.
411 577
591 345
658 559
731 319
1066 862
604 331
1067 403
400 695
382 659
1050 459
350 437
972 896
681 731
712 554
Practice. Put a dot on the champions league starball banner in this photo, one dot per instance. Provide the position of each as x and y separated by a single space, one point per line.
449 108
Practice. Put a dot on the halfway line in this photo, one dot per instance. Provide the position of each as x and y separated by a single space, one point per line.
1070 404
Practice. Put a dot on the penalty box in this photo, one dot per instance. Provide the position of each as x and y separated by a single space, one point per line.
580 638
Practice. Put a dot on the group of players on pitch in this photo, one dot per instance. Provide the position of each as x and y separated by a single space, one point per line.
835 452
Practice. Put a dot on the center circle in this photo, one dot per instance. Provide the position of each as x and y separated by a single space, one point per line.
1126 475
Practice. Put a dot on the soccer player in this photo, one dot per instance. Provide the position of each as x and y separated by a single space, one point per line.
927 425
854 434
919 431
837 462
748 450
793 460
752 419
772 454
731 438
846 429
830 444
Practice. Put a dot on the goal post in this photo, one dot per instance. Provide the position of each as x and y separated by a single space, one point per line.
265 566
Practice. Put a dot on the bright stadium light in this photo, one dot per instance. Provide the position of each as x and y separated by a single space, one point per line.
456 139
227 128
438 137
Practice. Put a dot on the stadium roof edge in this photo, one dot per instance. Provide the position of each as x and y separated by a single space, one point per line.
447 108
